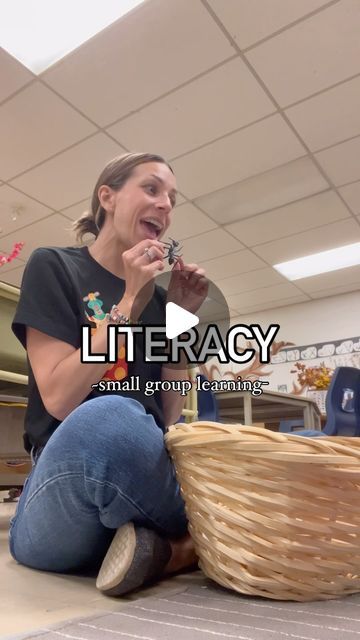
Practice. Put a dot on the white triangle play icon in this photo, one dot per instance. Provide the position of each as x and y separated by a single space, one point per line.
178 320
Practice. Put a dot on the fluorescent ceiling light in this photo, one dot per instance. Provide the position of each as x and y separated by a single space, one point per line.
323 262
40 32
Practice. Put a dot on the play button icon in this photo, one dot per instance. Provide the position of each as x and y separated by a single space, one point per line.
178 320
173 296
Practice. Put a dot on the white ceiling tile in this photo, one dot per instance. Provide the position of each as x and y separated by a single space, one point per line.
351 194
232 264
311 55
273 304
341 162
330 117
214 307
68 177
76 210
12 277
262 296
13 203
248 21
273 188
188 221
179 198
345 288
253 150
292 218
248 281
53 231
147 53
209 245
229 96
339 278
303 244
34 125
13 75
192 116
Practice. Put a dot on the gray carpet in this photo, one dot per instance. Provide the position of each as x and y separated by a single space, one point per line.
207 611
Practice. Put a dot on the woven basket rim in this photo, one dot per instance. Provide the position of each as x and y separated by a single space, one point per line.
252 441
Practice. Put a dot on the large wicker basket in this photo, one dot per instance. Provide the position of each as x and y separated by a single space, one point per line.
273 515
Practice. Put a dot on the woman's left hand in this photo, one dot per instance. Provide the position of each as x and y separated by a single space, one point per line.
188 286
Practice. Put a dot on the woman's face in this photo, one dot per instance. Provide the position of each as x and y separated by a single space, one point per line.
142 208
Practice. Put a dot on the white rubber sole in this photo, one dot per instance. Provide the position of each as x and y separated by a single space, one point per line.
118 558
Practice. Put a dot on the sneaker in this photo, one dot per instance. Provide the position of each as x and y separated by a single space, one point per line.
135 557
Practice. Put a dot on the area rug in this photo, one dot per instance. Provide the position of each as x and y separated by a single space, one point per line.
207 611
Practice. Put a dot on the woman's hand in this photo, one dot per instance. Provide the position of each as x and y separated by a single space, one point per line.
141 264
188 286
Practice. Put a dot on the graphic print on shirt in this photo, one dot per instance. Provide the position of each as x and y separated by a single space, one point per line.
119 370
95 304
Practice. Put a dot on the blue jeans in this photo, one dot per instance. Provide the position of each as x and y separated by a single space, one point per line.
104 466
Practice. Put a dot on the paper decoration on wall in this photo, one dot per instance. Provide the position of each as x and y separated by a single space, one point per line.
309 353
14 254
324 349
292 355
279 357
345 347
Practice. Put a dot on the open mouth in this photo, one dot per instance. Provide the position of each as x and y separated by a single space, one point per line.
153 228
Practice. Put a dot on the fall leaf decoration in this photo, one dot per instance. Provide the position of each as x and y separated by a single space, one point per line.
14 254
315 378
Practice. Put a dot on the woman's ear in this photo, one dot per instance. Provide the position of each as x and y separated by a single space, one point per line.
106 197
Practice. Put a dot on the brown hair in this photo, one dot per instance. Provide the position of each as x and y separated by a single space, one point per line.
114 175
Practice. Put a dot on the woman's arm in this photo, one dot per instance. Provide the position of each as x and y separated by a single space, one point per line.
63 380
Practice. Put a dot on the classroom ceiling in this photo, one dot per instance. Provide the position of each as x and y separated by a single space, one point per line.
256 105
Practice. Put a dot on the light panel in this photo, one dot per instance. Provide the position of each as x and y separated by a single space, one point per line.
331 260
40 32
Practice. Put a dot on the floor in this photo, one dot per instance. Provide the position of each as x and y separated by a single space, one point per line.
31 599
184 607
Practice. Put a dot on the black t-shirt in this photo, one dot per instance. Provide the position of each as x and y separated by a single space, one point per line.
63 289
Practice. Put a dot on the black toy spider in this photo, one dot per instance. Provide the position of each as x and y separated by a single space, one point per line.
172 251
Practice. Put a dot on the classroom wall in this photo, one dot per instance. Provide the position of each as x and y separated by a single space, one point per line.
325 330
